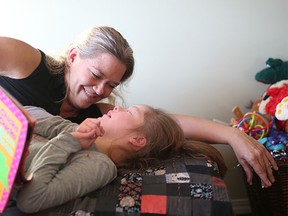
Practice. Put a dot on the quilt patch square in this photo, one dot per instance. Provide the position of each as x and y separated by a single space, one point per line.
199 169
202 191
173 166
201 179
129 197
157 189
220 194
194 162
180 177
179 190
218 182
154 204
179 206
160 170
203 207
159 179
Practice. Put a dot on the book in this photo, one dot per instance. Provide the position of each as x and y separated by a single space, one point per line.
16 127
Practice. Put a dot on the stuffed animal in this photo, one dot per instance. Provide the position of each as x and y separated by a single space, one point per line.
275 103
282 109
275 71
270 100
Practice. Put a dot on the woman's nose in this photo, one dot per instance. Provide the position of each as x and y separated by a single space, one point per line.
99 88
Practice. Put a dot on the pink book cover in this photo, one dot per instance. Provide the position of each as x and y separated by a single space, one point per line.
16 127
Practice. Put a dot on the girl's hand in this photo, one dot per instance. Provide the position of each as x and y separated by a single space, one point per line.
88 131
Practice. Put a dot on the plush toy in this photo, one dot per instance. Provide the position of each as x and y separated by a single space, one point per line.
270 100
276 143
275 71
282 109
275 103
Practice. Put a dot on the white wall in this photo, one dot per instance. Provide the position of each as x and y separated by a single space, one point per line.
195 57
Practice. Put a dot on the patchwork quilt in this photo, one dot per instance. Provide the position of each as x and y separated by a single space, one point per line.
179 186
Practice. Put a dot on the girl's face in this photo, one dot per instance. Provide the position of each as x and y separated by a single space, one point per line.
120 122
120 134
92 79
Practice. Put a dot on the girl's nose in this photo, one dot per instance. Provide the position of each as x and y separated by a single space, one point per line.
118 108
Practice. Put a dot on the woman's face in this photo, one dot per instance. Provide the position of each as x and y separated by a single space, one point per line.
92 79
119 122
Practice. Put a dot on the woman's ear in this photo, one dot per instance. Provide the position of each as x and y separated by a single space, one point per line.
71 55
138 141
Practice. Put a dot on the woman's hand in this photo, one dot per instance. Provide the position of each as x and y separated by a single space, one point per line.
250 153
88 131
253 155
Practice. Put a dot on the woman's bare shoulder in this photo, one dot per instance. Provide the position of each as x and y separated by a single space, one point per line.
17 58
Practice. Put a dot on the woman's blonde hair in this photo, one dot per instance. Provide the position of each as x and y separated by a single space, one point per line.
96 40
165 139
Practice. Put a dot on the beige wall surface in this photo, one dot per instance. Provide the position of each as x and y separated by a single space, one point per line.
195 57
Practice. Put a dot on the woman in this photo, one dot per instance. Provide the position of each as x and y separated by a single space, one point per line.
89 71
66 162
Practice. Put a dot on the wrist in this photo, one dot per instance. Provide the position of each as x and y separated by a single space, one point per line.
233 134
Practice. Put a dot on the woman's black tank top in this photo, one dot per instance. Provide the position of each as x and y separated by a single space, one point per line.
42 89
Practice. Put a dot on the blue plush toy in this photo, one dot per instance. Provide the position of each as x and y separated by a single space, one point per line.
276 142
275 71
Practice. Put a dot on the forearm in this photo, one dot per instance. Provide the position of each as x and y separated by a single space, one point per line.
206 130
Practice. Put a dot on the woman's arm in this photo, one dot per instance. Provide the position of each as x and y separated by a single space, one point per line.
249 152
17 58
58 178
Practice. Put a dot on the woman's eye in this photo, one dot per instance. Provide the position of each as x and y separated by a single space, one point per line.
112 86
95 76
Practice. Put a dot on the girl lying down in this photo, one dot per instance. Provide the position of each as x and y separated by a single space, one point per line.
68 160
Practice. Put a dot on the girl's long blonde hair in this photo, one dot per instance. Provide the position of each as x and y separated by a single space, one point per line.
165 139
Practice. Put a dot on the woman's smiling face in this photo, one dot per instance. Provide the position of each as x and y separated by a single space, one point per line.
92 79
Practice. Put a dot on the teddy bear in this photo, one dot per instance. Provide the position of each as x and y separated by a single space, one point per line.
275 71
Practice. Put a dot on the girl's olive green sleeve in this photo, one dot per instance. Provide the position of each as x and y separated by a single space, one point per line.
61 172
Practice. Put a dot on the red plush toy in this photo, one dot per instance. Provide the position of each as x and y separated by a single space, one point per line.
271 98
